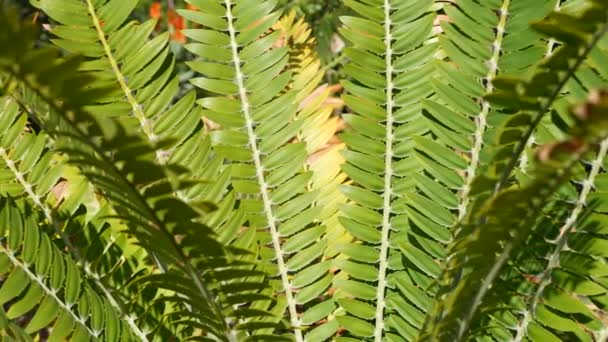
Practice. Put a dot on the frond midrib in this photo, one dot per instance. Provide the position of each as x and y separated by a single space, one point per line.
546 106
482 116
146 125
259 169
388 176
155 221
551 44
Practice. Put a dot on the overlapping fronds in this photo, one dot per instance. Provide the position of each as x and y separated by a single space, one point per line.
317 106
122 56
464 198
197 268
391 258
534 96
36 174
58 191
470 273
504 229
480 41
28 168
141 71
563 266
558 299
243 63
43 283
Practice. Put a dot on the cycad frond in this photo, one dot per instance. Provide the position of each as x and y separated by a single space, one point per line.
37 171
392 255
121 55
475 275
55 291
504 229
244 66
162 224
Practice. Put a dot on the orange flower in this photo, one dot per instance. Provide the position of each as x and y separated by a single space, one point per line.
191 7
155 10
177 22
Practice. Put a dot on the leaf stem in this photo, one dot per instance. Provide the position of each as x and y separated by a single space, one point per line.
154 221
49 292
74 251
146 124
523 160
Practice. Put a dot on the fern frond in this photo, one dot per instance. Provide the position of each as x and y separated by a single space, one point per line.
562 260
536 95
121 55
143 71
36 172
551 45
558 256
563 253
550 282
470 274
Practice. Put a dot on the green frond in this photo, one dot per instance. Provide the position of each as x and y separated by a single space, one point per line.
458 304
559 278
546 291
37 172
162 224
317 107
470 273
455 191
535 96
41 281
121 55
568 269
243 66
28 168
395 244
303 59
48 183
147 92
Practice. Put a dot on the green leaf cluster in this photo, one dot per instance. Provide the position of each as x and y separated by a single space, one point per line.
456 190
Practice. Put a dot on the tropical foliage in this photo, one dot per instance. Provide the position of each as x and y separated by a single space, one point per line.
451 187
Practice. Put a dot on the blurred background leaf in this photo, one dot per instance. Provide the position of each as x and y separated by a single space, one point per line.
321 15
